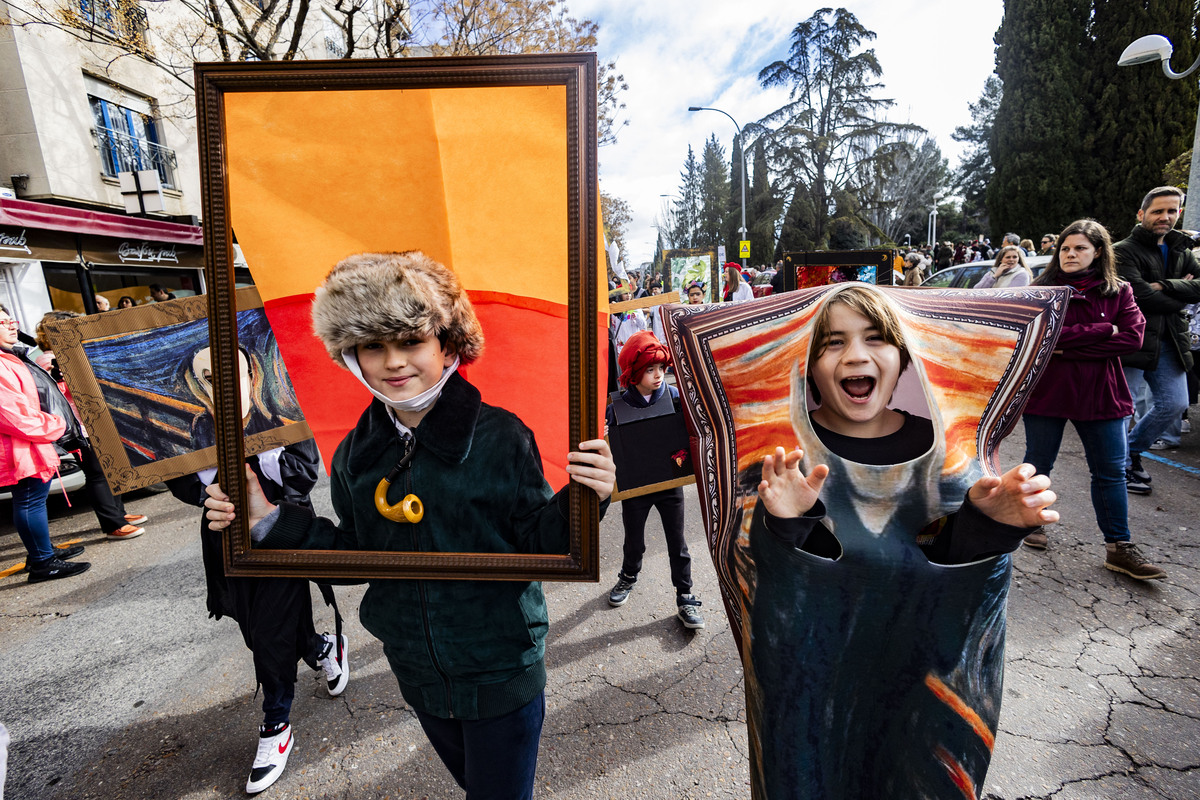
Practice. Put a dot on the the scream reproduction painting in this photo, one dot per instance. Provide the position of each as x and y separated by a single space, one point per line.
870 671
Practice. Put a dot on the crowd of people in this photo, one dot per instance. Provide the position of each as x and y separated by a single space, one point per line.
1119 374
919 263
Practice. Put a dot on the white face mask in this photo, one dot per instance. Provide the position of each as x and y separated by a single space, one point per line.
419 403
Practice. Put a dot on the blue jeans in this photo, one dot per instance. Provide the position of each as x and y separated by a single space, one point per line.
1104 448
493 759
1140 392
1168 401
29 517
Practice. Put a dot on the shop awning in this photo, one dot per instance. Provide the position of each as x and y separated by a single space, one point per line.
43 232
44 216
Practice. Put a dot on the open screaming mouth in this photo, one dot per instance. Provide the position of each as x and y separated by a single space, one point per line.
858 387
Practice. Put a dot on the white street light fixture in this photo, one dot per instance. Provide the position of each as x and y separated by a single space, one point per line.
742 147
1158 48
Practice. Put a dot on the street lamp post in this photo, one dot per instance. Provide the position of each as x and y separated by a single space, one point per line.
1158 48
742 148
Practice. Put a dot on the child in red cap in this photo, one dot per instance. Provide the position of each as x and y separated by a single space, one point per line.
643 363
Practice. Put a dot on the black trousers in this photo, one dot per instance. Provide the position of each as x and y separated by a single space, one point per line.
634 512
276 620
110 510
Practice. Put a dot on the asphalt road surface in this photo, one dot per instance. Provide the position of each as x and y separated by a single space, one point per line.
117 685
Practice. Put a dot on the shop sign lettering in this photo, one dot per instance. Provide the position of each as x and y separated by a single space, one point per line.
146 253
10 241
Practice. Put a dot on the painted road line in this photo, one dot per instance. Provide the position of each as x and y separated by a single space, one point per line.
20 565
1181 467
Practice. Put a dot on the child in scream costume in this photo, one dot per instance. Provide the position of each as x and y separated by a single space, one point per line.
468 654
870 733
865 573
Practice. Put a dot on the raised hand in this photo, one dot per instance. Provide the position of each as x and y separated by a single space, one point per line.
1019 497
784 490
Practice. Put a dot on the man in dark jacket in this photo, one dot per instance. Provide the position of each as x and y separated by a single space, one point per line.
1157 261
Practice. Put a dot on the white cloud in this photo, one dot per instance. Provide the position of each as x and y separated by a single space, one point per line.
935 56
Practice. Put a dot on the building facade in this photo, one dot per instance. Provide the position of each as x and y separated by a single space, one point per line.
94 93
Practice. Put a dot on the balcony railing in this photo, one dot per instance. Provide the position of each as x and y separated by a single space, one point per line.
125 20
125 153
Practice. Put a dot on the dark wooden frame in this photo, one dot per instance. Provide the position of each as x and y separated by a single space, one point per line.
68 337
577 73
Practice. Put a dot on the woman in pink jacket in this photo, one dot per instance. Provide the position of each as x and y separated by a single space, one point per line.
28 461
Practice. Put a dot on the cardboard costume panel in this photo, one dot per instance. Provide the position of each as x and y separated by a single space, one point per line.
650 447
873 672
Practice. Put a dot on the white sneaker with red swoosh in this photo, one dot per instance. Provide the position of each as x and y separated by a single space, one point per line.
274 747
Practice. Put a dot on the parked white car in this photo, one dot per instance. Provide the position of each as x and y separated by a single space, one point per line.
70 478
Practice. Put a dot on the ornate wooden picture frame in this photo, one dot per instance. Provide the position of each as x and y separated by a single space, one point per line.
477 161
143 395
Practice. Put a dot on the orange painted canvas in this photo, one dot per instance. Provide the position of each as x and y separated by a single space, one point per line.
474 176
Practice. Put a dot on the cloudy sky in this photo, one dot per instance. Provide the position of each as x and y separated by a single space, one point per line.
935 56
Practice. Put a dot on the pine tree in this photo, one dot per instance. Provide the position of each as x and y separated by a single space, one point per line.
1039 182
974 173
687 206
1138 120
714 195
762 211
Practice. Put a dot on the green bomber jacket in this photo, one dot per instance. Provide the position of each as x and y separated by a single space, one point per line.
459 648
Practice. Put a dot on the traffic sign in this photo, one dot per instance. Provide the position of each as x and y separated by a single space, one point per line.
744 248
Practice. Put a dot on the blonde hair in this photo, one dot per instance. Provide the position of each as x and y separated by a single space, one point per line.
1015 249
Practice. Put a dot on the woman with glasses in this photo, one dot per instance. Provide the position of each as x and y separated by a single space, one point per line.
28 461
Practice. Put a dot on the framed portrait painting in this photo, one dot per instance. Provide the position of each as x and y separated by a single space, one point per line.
141 379
487 165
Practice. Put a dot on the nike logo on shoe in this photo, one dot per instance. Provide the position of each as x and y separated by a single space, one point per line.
284 745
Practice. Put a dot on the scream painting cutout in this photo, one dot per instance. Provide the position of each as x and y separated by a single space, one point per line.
870 671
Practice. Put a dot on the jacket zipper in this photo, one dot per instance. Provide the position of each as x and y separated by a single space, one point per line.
425 612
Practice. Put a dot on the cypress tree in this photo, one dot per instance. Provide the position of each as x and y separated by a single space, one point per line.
1138 120
799 231
974 174
733 210
762 211
687 207
1036 148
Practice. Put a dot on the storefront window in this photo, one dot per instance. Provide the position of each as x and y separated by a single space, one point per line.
62 280
115 283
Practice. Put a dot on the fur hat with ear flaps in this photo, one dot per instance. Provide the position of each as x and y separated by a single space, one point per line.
374 297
